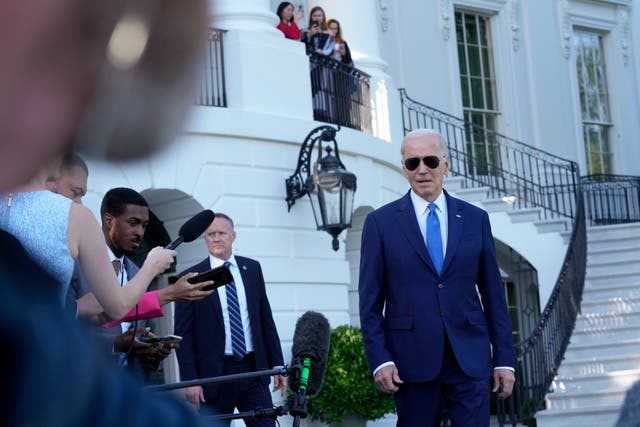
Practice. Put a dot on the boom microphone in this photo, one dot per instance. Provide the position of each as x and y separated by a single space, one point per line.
310 350
193 228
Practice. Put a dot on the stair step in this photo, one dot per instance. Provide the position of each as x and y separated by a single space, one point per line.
619 232
585 399
611 305
596 416
598 257
497 205
525 215
603 382
475 194
613 267
603 333
552 225
597 294
453 184
597 364
606 320
594 280
582 351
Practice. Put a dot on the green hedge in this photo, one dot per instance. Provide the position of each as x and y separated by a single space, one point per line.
348 387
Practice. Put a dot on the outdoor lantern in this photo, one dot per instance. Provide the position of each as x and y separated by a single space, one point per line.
330 186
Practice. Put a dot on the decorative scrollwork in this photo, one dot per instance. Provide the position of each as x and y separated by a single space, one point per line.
296 183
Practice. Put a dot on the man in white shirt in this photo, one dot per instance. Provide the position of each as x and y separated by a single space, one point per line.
231 331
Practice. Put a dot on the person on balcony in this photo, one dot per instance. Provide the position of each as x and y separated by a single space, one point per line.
341 50
317 36
287 22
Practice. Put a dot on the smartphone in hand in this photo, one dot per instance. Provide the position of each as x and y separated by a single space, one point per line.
220 276
165 339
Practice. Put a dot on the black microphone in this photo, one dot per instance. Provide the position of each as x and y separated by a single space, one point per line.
310 350
193 228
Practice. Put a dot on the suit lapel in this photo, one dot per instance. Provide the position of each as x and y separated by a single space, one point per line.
249 289
130 267
212 300
411 230
455 220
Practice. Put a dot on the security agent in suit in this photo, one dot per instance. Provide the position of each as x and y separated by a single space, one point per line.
206 326
430 337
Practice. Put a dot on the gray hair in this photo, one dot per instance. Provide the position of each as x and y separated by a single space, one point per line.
420 132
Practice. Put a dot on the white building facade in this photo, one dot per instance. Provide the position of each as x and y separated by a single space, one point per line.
521 67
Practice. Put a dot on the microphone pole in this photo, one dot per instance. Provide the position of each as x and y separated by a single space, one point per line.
309 350
219 379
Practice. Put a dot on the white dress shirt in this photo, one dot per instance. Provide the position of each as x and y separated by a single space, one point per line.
421 209
242 301
122 279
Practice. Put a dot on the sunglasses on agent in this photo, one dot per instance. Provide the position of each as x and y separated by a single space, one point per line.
432 162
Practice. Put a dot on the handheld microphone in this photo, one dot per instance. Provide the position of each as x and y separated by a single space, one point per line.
310 350
193 228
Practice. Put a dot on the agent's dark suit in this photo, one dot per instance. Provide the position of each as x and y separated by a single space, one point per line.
423 309
202 350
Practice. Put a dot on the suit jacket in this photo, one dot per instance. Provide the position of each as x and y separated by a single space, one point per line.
420 306
201 326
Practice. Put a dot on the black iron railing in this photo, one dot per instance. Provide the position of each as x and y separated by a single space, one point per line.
533 178
340 93
611 199
539 356
527 176
212 86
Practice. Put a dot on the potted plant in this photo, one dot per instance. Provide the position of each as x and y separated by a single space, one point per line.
348 390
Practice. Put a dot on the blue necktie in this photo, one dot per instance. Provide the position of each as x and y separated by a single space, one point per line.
434 238
235 319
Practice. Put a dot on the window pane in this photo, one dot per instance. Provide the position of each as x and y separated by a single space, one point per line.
482 30
479 103
462 60
464 87
592 84
474 61
471 29
488 88
476 93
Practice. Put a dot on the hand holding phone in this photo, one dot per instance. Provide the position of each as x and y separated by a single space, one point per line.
220 276
166 339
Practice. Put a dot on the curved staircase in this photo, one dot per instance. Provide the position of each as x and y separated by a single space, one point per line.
603 358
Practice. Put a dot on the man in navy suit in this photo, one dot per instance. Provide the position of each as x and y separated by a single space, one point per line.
436 328
207 327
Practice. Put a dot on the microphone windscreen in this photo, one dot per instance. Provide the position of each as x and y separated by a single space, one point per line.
311 339
193 228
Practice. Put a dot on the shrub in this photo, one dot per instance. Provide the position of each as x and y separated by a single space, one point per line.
348 387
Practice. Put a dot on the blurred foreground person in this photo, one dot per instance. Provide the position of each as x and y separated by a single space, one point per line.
66 69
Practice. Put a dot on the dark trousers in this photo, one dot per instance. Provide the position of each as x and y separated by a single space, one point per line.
246 395
466 399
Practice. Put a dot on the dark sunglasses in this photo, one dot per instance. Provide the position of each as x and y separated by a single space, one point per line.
431 162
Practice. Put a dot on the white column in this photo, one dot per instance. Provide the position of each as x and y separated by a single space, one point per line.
258 58
250 15
360 23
